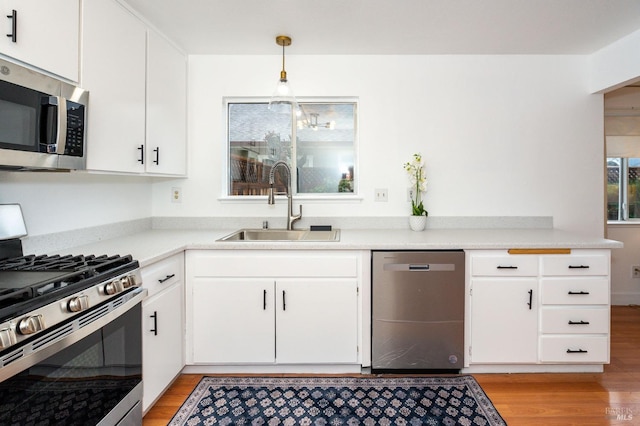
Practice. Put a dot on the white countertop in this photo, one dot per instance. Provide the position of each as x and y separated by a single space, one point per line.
153 245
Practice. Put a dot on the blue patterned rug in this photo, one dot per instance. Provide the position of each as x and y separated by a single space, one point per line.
349 401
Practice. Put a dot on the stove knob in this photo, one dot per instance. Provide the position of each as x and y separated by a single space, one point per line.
7 338
129 281
113 287
31 325
78 303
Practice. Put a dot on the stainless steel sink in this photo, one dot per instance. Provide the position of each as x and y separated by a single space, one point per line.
281 235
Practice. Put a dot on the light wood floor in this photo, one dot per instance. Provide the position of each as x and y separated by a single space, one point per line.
530 399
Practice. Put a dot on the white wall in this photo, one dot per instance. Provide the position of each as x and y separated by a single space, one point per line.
56 202
616 65
501 135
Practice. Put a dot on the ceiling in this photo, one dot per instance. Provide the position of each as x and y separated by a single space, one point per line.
353 27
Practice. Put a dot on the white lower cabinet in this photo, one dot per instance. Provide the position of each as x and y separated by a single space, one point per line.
539 308
273 307
162 327
504 323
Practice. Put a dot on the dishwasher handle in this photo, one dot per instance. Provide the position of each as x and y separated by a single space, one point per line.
420 267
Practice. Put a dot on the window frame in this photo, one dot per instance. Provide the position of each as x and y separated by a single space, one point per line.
226 195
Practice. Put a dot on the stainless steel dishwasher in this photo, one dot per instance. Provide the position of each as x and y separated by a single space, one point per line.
418 310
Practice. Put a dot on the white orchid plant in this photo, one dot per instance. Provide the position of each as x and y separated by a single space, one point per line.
415 169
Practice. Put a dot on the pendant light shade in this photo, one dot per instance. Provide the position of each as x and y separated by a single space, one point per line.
283 93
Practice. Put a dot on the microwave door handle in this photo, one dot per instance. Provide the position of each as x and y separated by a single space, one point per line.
54 144
61 134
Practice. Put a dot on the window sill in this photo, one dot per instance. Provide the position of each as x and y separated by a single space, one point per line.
257 199
623 223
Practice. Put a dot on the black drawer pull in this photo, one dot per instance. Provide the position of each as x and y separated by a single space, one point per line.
284 301
578 266
157 160
264 300
577 292
579 351
579 323
530 299
507 267
167 278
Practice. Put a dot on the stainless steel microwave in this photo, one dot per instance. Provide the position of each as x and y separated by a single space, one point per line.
42 121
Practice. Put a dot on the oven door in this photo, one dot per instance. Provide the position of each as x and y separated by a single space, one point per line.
91 377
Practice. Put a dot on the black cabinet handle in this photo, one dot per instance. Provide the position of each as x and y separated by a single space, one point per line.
154 330
141 159
579 351
577 292
157 160
284 301
264 300
579 323
168 277
530 299
14 26
506 267
578 266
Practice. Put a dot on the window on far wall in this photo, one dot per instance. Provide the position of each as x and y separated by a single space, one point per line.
623 188
318 143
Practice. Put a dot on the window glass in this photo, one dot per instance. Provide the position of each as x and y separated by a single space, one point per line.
623 188
317 141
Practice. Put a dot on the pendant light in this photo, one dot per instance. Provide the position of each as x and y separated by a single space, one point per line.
283 93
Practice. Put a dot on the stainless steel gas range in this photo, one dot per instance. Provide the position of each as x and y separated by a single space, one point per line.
70 339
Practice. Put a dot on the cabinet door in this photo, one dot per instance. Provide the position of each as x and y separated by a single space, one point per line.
504 328
114 72
166 108
162 342
233 320
47 34
316 321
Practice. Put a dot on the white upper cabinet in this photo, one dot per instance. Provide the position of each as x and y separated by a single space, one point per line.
166 108
114 72
46 34
137 104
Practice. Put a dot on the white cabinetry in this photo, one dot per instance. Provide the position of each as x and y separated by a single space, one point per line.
114 72
274 307
539 308
165 147
137 85
575 314
162 326
504 310
47 34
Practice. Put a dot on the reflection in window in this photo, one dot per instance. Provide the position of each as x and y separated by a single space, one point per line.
317 141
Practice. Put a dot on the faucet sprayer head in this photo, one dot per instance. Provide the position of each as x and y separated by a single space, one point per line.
271 199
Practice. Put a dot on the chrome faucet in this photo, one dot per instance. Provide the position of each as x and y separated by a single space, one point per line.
271 200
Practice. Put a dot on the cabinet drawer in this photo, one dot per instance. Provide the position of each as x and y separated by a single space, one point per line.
587 264
575 320
574 349
162 274
280 263
575 291
506 265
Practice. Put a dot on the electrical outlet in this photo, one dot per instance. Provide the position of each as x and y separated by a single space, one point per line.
410 192
635 271
176 194
381 195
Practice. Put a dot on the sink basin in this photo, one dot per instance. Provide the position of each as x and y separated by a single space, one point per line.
281 235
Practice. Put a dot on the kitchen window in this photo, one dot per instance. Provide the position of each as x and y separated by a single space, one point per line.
318 141
623 189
